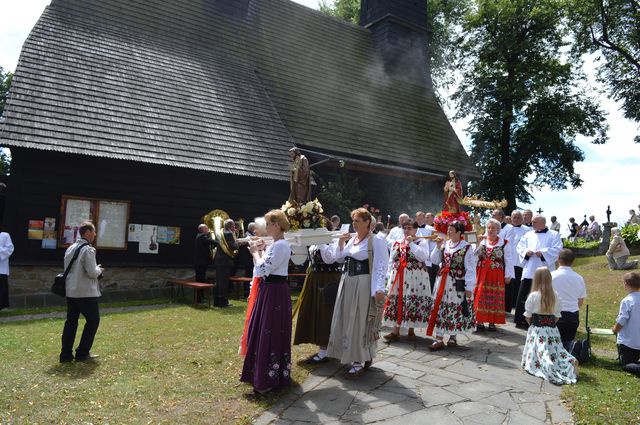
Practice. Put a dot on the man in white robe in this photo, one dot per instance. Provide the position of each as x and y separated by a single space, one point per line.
396 233
539 248
518 230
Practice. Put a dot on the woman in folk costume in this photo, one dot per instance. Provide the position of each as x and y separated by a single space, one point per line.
493 271
267 363
452 312
544 355
409 301
314 308
358 310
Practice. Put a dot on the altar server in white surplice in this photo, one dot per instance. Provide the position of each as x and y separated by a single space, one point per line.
539 248
518 230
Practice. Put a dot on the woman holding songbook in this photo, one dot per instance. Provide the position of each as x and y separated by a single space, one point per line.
494 270
409 301
452 312
267 363
358 309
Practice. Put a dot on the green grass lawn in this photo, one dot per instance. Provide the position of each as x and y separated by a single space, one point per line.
169 365
604 393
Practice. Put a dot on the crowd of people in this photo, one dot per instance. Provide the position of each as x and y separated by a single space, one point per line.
387 279
408 278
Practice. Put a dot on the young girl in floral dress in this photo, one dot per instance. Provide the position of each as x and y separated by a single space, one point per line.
409 301
543 355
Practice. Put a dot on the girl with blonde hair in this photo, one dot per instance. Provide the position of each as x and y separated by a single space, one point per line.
544 355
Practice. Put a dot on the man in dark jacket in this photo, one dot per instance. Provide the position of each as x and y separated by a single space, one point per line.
202 253
223 263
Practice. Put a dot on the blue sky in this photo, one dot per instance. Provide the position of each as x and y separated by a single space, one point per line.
611 172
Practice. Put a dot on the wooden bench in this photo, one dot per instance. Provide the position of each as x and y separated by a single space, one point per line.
237 285
198 287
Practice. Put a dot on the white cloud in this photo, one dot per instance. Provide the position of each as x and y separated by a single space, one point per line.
17 20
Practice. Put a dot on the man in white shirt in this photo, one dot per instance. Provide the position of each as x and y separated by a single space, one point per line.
572 291
539 248
396 233
6 249
555 224
518 230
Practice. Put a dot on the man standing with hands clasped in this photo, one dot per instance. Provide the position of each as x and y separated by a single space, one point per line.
539 248
83 292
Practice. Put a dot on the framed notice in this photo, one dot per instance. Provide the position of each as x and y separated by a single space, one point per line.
111 218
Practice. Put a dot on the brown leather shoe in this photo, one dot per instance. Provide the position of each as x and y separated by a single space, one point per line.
391 337
437 346
355 375
411 337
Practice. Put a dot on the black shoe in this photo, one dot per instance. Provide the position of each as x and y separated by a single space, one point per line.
492 327
367 364
66 359
480 328
226 305
87 358
523 326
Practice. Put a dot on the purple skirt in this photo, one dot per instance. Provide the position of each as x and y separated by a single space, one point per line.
268 360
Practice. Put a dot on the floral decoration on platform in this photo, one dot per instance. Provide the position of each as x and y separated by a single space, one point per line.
304 216
442 220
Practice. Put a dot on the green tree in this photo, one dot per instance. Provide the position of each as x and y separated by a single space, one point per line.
5 84
339 192
349 10
526 100
612 28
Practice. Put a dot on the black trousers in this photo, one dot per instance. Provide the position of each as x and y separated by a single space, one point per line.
433 274
629 358
523 293
511 290
222 285
88 307
568 326
201 276
4 291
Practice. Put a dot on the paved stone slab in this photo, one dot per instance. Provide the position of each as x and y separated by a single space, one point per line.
479 383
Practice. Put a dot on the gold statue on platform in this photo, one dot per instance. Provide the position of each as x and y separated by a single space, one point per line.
300 178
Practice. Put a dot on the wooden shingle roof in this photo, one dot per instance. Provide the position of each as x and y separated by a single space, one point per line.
218 85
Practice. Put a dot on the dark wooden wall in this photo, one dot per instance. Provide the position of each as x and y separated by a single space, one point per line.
160 195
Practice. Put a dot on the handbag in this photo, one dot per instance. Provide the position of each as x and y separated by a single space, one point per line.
59 282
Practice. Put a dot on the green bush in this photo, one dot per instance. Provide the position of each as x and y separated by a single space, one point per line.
580 243
630 235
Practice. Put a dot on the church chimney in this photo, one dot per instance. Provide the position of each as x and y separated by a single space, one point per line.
399 29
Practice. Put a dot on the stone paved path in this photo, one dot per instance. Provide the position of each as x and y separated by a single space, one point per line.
479 382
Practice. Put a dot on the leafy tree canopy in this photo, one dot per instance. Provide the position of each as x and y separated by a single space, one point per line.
526 99
5 83
612 28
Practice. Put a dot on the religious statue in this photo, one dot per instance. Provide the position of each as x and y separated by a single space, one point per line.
452 193
300 178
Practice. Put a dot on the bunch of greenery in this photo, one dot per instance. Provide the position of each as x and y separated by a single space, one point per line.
581 243
630 235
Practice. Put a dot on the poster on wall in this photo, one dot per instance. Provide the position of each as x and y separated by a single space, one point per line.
134 232
169 235
49 234
35 231
148 239
76 212
112 224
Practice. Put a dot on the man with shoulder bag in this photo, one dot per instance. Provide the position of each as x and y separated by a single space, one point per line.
82 293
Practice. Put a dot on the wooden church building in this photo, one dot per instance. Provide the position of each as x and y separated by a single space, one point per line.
144 115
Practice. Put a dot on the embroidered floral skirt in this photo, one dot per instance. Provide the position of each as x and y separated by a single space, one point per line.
313 325
545 357
488 298
416 304
348 341
268 360
450 319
